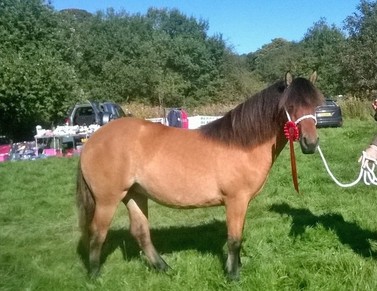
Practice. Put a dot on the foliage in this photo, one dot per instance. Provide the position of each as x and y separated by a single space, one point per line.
361 51
323 45
274 59
163 57
35 84
323 239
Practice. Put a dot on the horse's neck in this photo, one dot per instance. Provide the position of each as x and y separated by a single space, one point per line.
279 145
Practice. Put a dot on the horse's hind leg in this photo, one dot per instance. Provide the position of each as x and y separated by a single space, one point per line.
97 234
137 206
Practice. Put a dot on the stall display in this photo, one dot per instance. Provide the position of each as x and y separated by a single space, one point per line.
63 140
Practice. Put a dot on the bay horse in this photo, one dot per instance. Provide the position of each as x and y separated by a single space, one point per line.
225 162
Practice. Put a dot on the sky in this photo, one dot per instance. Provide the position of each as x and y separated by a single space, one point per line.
246 25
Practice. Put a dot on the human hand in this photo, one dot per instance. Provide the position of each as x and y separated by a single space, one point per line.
370 153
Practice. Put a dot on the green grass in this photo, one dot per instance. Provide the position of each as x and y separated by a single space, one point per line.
322 239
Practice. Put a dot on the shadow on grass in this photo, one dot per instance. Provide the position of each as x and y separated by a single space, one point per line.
349 233
206 238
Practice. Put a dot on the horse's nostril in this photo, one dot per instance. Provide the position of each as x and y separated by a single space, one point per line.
308 146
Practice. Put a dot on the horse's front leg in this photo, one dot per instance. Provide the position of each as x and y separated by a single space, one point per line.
233 263
235 216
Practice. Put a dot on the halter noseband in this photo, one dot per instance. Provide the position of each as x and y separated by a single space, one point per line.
301 118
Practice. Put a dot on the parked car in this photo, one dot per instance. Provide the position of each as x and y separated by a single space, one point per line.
94 113
329 114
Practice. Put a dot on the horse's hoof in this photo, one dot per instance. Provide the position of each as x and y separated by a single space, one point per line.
233 275
161 266
94 274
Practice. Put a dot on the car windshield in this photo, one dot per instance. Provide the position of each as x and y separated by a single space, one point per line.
85 111
330 102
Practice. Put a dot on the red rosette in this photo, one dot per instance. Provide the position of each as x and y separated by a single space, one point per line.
291 131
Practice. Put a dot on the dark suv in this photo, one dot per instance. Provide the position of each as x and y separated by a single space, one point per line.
94 113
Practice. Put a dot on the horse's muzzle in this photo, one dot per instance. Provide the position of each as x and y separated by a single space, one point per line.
308 145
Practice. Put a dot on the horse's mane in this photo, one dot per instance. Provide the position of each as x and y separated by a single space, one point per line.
262 115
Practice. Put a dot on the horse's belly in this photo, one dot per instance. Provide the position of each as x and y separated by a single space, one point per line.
181 194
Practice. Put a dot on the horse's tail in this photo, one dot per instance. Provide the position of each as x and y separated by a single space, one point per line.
85 204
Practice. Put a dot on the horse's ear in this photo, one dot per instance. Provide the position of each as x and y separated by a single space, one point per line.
288 79
313 77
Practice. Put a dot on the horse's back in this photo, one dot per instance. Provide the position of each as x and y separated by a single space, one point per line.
118 135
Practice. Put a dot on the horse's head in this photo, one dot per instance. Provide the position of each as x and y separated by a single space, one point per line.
301 99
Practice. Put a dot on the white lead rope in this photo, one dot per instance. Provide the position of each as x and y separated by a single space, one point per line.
367 168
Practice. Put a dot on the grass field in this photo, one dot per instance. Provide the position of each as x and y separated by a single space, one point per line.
323 239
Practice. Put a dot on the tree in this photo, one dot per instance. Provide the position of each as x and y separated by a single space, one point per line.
274 59
35 84
322 47
191 61
163 57
360 53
